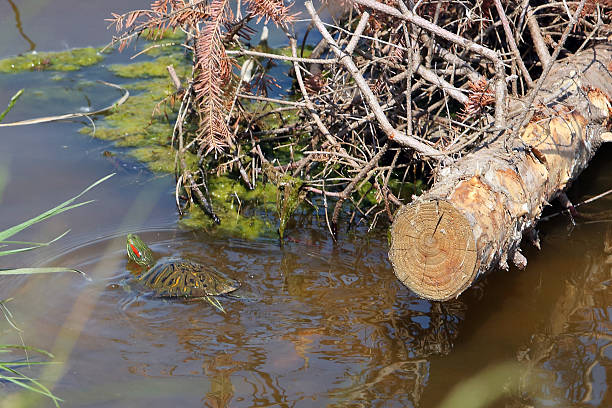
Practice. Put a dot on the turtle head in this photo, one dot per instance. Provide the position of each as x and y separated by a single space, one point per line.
138 251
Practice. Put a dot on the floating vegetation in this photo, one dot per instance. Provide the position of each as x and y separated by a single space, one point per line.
243 212
149 69
133 125
70 60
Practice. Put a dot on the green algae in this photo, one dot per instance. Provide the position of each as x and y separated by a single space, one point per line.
133 125
161 43
135 116
243 212
70 60
367 193
158 158
407 189
273 120
151 69
288 197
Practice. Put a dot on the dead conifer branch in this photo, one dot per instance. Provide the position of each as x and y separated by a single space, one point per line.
213 72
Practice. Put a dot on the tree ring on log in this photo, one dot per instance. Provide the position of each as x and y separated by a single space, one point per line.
433 250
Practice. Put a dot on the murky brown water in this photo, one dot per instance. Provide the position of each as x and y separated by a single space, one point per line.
320 324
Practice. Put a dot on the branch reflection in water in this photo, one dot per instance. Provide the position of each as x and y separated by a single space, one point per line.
19 26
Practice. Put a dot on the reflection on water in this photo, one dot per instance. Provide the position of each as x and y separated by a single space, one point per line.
319 324
318 329
570 361
19 26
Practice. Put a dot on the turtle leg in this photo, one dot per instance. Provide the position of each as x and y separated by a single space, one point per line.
215 302
123 284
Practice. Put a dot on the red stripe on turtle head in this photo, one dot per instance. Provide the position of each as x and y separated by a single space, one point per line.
135 250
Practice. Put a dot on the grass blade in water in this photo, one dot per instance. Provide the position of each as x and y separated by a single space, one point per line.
11 104
32 271
12 347
34 245
65 206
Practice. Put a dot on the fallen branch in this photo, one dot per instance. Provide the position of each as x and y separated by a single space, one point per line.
472 219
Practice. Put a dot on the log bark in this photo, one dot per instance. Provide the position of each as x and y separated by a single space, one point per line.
473 218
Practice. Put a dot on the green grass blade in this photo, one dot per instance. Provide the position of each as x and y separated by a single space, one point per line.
65 206
8 316
20 379
14 251
48 214
12 347
29 363
11 104
3 178
41 390
34 245
32 271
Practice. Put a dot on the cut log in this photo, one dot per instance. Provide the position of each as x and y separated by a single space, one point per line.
474 216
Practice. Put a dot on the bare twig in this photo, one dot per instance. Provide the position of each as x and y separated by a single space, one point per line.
534 93
513 47
346 60
538 40
349 189
47 119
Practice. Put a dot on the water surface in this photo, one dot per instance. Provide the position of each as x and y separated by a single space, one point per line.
321 324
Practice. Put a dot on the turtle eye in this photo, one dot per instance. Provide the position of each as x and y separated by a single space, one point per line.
134 250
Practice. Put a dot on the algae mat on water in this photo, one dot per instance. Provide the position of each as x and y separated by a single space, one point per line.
143 126
70 60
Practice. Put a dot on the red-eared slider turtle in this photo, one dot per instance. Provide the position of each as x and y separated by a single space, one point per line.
178 278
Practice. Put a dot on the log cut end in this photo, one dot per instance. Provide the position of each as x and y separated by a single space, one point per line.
433 251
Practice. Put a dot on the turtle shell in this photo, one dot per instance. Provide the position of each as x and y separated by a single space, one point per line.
170 278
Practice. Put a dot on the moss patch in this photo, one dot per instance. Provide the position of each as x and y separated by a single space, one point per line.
71 60
243 213
133 125
151 69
